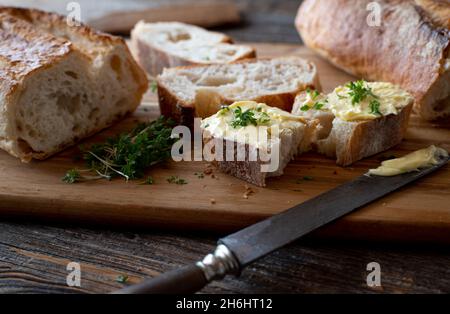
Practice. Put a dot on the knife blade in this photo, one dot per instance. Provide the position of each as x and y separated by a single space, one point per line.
244 247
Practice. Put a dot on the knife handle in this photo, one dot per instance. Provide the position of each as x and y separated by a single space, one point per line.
189 279
186 280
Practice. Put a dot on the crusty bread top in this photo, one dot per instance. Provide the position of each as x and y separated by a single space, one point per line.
411 48
189 42
31 40
243 80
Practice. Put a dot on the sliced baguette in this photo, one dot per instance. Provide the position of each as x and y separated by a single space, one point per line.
169 44
200 91
350 141
295 136
60 83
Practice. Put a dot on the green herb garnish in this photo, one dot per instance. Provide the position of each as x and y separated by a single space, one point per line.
200 175
305 108
318 105
308 178
248 117
154 87
128 155
375 107
313 94
263 118
243 118
359 91
72 176
122 279
176 180
148 181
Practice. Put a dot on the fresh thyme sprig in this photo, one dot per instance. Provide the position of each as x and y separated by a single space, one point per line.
128 155
375 107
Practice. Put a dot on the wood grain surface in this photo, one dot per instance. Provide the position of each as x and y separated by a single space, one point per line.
420 212
34 256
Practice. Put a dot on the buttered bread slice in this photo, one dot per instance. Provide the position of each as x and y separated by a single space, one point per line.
357 120
253 141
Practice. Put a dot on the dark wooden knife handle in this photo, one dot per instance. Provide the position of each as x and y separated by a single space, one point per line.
186 280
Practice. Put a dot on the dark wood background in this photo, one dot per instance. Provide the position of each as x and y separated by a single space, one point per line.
34 256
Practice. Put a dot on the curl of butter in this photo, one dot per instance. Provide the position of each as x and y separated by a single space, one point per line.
420 159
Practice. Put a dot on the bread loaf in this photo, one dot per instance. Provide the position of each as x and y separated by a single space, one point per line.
60 83
410 48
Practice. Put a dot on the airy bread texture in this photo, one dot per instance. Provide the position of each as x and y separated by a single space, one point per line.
60 83
350 141
186 92
410 48
170 44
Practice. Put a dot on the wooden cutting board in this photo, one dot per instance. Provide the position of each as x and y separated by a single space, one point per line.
420 212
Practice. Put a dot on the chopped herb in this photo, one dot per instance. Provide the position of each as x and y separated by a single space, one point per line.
305 108
375 107
149 181
263 118
122 279
243 118
207 125
176 180
154 87
248 117
318 105
128 155
312 93
359 91
308 178
200 175
223 110
72 176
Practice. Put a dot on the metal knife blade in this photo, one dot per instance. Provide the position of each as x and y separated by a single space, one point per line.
238 250
262 238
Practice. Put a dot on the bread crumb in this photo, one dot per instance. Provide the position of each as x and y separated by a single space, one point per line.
248 191
213 201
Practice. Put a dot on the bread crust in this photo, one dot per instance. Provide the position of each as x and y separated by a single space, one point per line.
408 49
27 46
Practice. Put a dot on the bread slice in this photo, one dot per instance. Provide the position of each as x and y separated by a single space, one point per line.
410 47
170 44
273 131
186 92
350 132
60 83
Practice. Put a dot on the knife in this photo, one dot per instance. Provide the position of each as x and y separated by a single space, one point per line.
244 247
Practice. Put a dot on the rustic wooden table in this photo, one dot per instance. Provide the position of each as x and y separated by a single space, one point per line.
34 256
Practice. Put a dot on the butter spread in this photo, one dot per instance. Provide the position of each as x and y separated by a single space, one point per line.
420 159
384 99
223 123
